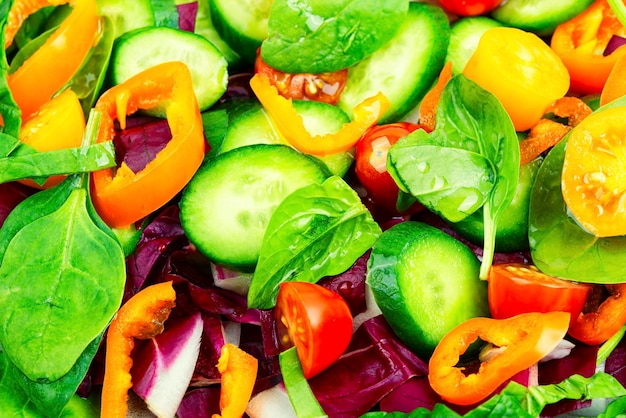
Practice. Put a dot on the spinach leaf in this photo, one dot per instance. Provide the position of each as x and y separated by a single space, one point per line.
318 230
89 79
558 244
25 162
79 270
316 36
475 133
41 399
29 49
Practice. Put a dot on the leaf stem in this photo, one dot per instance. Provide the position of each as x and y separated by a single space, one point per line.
489 241
619 9
300 394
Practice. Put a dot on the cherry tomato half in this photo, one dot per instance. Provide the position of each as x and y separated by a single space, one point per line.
323 87
518 288
371 163
469 7
314 319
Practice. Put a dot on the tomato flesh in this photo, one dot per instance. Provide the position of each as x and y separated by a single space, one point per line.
516 288
323 87
371 163
316 320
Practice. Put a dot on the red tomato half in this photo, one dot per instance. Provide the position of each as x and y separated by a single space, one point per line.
519 288
323 87
371 163
314 319
469 7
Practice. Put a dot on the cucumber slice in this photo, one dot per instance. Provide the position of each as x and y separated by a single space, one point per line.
255 127
464 37
226 206
538 16
127 15
425 283
205 27
406 67
242 24
142 48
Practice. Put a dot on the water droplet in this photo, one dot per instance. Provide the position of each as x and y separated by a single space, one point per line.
423 167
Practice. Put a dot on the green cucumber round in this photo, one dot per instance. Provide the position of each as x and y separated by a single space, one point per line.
255 127
241 24
226 206
512 226
142 48
538 16
464 36
128 15
425 283
405 68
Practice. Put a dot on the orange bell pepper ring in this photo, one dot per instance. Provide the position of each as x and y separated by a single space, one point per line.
580 43
525 339
141 317
615 85
238 371
55 62
608 317
123 197
547 133
428 107
291 126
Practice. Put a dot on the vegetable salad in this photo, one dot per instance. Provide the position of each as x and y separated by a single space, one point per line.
348 209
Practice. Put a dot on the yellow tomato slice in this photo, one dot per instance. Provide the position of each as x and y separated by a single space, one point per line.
521 70
594 173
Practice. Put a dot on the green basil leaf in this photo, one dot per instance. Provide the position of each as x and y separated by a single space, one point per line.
319 230
451 182
80 273
471 122
316 36
27 163
49 399
474 119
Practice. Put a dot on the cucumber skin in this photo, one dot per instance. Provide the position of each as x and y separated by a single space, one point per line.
512 226
523 14
388 268
245 46
144 53
464 37
213 222
317 119
406 90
